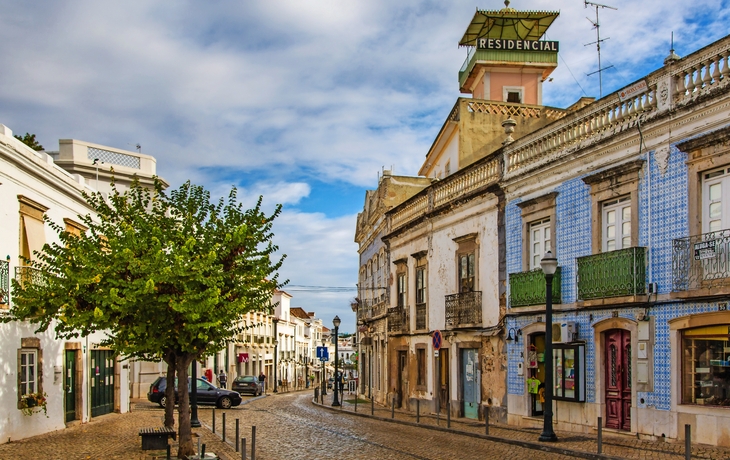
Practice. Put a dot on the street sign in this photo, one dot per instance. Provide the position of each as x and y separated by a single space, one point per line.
436 340
436 354
323 353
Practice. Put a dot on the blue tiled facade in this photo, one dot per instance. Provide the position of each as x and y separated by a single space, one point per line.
663 217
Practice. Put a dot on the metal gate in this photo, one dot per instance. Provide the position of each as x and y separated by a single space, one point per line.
470 382
102 382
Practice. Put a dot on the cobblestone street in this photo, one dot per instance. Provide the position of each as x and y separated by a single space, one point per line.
290 426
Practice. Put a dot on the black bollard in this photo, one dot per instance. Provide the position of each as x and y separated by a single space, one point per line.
224 427
486 420
688 442
243 448
253 443
237 434
372 405
168 452
356 396
202 452
392 407
600 435
213 420
418 410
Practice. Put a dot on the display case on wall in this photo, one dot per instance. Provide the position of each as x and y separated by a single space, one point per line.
569 372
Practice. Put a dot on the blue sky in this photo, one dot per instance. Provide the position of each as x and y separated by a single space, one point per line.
304 102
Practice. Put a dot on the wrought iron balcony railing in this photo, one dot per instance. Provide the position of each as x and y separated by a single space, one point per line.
701 261
528 288
464 309
612 274
30 275
4 282
398 319
421 309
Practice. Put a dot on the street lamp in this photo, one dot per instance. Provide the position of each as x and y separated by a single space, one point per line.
336 401
276 350
549 265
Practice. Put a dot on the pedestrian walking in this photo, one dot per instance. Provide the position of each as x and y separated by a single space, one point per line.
222 379
262 382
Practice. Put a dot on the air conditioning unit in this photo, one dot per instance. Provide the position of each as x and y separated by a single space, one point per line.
565 332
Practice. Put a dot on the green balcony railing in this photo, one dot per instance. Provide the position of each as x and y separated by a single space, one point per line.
4 282
528 288
612 274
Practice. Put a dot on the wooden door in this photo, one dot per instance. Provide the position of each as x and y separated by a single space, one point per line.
443 382
402 377
69 385
102 382
618 379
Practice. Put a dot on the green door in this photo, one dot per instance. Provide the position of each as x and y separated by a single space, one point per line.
102 382
69 385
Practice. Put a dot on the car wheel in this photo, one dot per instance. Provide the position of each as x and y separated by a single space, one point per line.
163 401
224 402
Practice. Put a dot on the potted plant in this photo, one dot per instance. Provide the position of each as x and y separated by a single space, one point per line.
33 403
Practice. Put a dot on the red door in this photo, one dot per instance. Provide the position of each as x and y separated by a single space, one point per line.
618 379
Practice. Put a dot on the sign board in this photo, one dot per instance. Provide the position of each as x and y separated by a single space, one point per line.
633 90
516 45
243 357
323 353
436 339
436 354
705 249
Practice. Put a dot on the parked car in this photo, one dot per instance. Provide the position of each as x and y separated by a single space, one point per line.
247 384
207 394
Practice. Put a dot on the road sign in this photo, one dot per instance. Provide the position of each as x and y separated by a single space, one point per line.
323 353
436 340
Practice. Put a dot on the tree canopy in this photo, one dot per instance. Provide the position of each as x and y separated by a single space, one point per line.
166 276
30 141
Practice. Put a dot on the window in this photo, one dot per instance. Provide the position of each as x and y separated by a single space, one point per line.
33 234
616 218
540 241
28 371
715 210
512 94
466 272
420 285
401 290
421 360
706 365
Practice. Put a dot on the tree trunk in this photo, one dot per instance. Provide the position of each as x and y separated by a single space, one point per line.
185 433
170 390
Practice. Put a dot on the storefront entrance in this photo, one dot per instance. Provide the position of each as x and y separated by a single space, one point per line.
536 373
470 382
618 379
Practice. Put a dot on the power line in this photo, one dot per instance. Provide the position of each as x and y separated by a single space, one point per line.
307 288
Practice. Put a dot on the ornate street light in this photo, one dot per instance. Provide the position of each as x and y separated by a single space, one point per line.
276 350
336 401
549 265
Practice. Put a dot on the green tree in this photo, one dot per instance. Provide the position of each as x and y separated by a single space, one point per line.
29 140
166 276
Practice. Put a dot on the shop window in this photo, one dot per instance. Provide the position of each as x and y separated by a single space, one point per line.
706 365
569 372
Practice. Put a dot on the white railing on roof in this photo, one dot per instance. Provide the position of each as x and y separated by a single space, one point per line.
691 77
448 190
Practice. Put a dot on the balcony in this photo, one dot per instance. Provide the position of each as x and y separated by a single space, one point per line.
528 288
371 308
612 274
398 320
4 283
464 309
28 275
421 310
701 264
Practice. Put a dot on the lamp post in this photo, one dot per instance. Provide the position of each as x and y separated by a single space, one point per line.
276 350
336 400
549 265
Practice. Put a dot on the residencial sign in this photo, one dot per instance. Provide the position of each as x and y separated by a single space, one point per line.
705 249
516 45
633 90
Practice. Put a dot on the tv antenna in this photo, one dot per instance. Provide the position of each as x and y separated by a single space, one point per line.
597 26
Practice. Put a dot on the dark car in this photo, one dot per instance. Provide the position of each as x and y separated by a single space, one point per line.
247 384
207 394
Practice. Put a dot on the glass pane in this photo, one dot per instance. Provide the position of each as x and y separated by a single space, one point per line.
548 246
23 359
626 228
626 242
462 269
535 261
536 248
611 231
611 217
715 192
715 209
547 233
610 245
471 265
31 358
626 213
536 235
715 225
